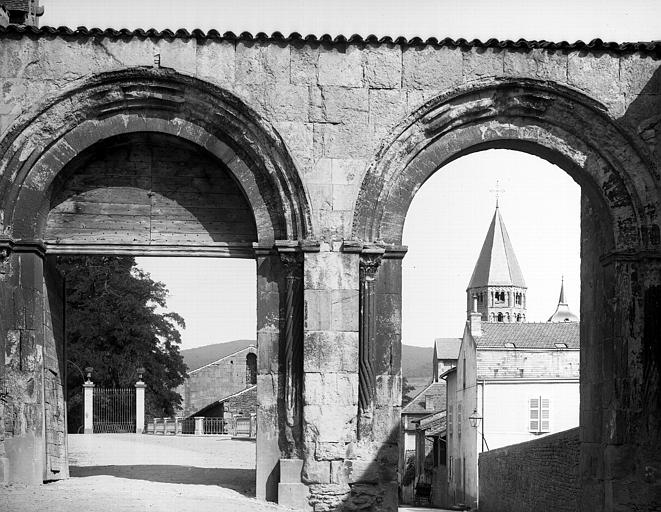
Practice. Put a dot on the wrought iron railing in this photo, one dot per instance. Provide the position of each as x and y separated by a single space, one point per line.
114 410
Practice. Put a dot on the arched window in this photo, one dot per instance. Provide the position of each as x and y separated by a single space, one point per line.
500 317
251 369
518 317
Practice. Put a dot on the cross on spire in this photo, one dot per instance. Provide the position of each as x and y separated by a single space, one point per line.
498 191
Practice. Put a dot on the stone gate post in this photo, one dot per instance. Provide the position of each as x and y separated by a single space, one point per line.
22 451
88 405
140 406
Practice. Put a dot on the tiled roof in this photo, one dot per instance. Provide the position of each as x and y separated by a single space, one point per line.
497 264
447 348
529 335
417 405
594 45
16 5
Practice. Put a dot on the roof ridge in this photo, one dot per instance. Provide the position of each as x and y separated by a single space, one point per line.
596 44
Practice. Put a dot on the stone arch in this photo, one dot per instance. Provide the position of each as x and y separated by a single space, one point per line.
152 100
551 121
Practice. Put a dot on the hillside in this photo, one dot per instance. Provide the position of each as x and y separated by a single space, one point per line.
416 361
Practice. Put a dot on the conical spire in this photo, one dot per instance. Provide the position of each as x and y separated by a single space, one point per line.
562 312
497 264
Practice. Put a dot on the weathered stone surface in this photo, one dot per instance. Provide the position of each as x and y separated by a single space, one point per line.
341 66
331 108
329 351
430 67
383 67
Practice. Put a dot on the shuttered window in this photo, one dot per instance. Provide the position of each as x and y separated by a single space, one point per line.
450 420
459 411
539 415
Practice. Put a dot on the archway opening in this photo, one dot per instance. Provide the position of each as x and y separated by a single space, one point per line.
154 196
539 207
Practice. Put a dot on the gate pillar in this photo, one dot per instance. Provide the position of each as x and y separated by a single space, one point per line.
23 449
140 407
88 404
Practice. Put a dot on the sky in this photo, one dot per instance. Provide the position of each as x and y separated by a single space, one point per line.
540 205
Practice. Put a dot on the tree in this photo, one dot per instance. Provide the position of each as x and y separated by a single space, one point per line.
406 390
114 324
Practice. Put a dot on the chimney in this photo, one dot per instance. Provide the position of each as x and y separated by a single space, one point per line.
475 320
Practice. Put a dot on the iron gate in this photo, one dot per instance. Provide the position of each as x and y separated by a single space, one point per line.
114 410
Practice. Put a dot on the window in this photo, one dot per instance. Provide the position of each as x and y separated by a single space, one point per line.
539 415
251 369
459 411
500 297
500 317
463 371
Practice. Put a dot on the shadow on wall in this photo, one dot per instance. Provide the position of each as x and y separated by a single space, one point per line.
240 480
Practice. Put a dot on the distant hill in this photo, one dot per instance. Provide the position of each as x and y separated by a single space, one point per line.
416 361
200 356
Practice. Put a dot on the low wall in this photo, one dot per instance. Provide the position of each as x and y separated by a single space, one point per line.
536 475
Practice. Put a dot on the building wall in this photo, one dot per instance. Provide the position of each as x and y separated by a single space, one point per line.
243 404
505 409
538 475
215 381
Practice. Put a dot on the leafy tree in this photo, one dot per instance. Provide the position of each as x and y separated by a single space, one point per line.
113 324
406 391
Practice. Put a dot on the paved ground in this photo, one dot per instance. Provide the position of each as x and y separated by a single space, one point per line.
136 473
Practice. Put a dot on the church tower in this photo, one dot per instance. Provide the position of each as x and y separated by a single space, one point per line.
497 290
562 312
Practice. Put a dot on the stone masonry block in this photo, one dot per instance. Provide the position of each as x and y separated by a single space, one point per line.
347 171
344 310
294 496
387 108
290 471
330 351
597 74
537 63
332 389
304 62
344 197
262 63
215 61
178 54
331 271
329 423
388 390
317 310
298 136
341 66
287 103
482 62
316 472
350 139
343 104
383 66
431 67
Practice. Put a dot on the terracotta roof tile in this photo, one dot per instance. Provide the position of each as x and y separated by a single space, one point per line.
593 45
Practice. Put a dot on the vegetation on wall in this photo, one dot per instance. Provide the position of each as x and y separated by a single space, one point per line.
115 323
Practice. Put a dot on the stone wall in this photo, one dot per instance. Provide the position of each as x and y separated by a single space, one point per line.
215 381
328 142
242 404
537 475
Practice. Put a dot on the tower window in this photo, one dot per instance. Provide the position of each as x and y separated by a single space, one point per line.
500 317
500 297
251 368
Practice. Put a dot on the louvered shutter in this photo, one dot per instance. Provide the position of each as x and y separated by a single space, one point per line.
545 415
533 406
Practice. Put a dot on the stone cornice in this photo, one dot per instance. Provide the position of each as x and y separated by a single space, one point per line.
8 246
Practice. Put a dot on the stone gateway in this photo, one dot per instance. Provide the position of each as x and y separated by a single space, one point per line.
305 154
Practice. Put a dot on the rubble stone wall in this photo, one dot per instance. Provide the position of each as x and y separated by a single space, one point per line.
542 474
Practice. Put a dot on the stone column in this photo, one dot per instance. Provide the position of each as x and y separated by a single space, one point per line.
270 381
139 406
88 405
21 381
369 263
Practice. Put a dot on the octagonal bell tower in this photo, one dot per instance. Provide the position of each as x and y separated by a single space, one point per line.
497 282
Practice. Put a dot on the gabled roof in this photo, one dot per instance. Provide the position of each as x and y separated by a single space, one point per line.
497 264
447 348
529 335
417 405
